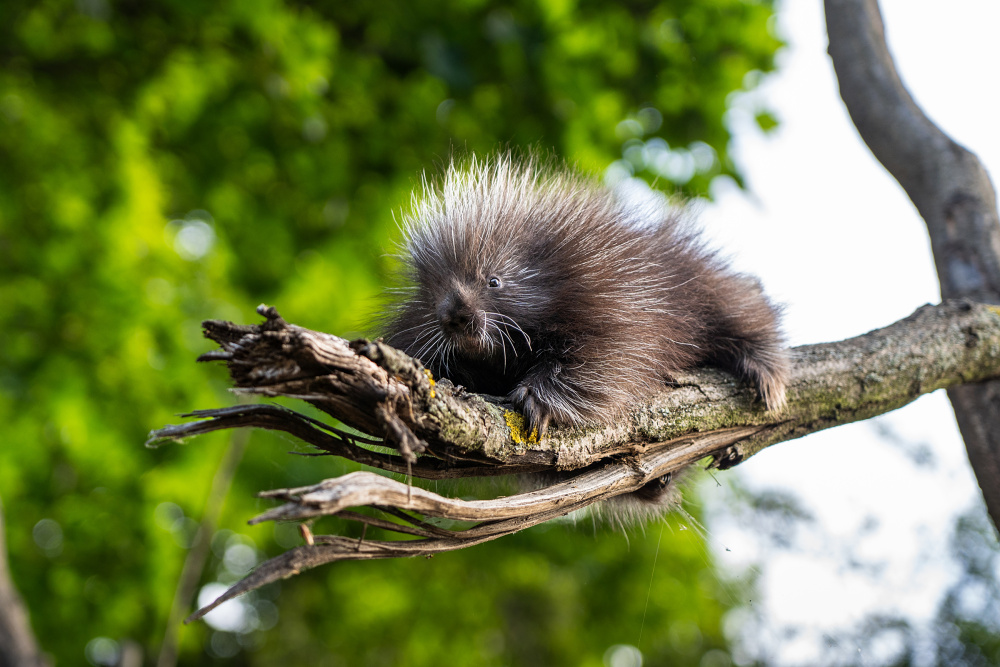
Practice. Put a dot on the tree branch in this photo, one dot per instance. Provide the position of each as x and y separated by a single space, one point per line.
385 393
465 435
951 190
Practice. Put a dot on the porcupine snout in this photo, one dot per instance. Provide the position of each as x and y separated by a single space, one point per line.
457 315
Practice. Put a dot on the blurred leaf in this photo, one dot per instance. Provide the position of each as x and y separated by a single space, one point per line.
766 121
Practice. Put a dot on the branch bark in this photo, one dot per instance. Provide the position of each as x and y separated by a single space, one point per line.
383 392
465 434
951 190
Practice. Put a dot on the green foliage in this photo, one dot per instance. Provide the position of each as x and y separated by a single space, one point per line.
167 162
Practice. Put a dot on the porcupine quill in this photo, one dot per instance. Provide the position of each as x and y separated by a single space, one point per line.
534 282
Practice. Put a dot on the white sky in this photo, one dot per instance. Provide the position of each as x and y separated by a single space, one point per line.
834 238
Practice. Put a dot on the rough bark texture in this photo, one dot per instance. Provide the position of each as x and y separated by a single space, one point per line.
950 189
386 394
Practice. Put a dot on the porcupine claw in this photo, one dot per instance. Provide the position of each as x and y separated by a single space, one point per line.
536 415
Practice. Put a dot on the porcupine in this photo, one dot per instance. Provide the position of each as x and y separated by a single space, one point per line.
536 283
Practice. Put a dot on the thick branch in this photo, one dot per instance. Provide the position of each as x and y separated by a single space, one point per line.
832 383
950 189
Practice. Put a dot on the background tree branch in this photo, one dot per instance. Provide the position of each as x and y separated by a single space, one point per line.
18 647
951 190
383 392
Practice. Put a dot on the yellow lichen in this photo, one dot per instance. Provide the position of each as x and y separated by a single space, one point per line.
430 379
515 422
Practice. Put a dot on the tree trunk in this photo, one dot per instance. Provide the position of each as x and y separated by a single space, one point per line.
949 187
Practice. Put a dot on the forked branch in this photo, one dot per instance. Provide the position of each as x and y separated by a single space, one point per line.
440 431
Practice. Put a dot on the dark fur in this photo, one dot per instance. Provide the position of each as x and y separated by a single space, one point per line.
539 284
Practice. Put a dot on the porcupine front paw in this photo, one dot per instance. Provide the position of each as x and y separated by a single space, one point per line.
537 415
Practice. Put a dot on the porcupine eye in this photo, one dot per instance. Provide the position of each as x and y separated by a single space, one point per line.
494 281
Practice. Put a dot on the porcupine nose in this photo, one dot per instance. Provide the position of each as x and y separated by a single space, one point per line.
455 313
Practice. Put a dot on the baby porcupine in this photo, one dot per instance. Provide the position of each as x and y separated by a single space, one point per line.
539 284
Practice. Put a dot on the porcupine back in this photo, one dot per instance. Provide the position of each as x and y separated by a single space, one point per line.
539 284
